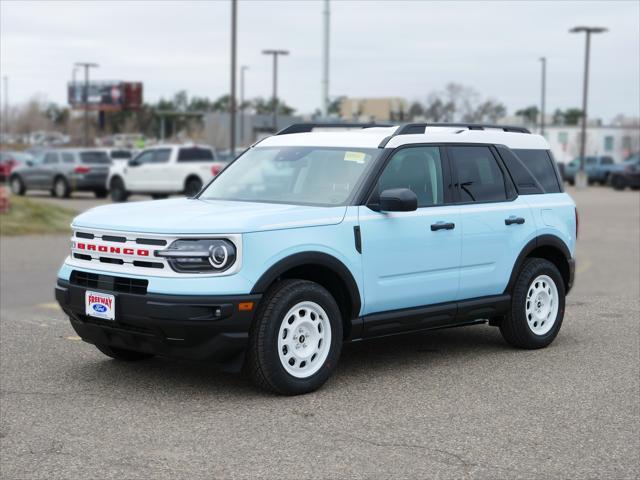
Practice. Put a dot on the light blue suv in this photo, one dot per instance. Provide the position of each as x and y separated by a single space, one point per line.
315 237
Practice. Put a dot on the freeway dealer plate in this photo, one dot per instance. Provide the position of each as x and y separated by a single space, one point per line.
100 305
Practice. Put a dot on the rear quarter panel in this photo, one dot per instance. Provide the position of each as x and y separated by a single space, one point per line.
555 215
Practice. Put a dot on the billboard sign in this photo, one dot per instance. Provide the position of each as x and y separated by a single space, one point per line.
106 96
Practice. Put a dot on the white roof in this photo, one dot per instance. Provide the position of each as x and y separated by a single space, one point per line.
372 137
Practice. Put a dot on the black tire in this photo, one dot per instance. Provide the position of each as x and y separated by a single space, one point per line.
118 191
60 188
101 193
192 186
618 183
571 182
159 196
263 357
122 354
17 185
515 327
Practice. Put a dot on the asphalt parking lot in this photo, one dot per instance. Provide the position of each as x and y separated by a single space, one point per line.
453 403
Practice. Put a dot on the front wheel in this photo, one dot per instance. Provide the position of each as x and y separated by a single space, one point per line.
618 183
123 354
296 339
118 190
17 186
537 306
61 188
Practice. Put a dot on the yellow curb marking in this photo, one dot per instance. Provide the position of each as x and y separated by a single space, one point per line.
73 337
583 266
50 305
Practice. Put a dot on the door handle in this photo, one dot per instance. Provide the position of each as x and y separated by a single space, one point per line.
512 219
442 226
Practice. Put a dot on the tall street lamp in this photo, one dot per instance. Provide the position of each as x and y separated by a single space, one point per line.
85 97
275 54
581 176
232 96
543 93
243 68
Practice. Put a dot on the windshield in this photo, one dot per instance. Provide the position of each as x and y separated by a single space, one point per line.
296 175
120 154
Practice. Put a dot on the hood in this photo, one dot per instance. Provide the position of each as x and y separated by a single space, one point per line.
186 216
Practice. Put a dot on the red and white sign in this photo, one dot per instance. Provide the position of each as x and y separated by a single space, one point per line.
100 305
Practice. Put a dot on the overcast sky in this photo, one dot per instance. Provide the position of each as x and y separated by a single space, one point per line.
378 48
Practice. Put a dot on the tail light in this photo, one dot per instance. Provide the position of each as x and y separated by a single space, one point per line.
577 222
216 169
81 169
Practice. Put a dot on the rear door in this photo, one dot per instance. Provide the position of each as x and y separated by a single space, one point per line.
192 160
496 223
48 170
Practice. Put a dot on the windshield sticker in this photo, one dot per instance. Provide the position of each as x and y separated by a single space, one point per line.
354 157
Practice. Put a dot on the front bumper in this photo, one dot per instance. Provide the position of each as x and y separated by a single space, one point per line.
194 327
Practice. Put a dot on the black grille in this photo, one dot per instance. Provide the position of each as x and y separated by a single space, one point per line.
150 241
84 235
111 238
109 283
112 324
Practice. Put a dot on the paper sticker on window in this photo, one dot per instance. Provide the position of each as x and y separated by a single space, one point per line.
354 157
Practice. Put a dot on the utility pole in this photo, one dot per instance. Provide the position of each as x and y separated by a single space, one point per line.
85 97
325 61
243 68
5 123
232 97
275 54
581 177
543 93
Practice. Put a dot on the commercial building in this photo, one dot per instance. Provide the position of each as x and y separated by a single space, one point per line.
374 109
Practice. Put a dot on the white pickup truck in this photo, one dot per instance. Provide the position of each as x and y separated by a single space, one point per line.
163 170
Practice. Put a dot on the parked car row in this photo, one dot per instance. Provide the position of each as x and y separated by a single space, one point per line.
158 171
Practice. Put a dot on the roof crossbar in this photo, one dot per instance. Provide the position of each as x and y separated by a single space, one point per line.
308 127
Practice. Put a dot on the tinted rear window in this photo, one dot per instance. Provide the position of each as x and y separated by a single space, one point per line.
541 165
94 157
195 154
120 154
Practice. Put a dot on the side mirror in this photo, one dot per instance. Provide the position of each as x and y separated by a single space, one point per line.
133 162
29 163
398 200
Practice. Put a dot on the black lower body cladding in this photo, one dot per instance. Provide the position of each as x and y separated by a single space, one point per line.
213 328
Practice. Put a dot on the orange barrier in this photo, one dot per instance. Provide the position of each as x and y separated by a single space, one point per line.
4 200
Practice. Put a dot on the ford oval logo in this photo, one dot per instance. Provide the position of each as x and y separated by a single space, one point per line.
99 308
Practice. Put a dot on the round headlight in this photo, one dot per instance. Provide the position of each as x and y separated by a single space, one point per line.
218 255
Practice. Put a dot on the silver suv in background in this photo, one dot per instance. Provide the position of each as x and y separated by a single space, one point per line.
63 171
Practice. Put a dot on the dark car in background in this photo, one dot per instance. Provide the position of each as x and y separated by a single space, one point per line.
598 169
62 171
628 173
11 160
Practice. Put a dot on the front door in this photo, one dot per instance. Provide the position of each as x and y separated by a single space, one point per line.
410 259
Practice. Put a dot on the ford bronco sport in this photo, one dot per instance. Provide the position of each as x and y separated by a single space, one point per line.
315 238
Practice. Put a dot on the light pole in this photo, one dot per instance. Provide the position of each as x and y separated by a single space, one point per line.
581 176
232 97
85 97
243 68
543 92
275 54
5 123
326 13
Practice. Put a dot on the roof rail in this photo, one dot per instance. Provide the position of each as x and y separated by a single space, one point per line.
418 128
308 127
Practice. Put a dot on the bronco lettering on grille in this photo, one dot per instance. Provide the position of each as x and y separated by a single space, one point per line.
140 252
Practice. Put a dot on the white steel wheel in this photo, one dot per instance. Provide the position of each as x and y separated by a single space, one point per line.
304 339
541 307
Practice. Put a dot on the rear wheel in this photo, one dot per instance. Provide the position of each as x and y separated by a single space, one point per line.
618 183
17 186
61 188
100 192
296 339
537 306
159 196
123 354
118 191
192 186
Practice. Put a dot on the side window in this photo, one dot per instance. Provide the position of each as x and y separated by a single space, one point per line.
145 157
418 169
161 155
68 158
541 166
607 161
195 154
51 158
479 176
